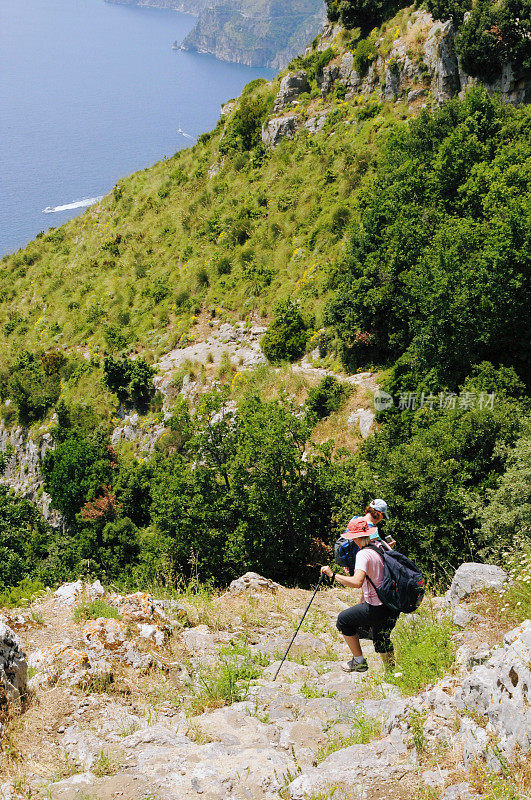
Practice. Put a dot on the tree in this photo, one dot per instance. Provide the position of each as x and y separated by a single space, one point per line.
76 471
286 336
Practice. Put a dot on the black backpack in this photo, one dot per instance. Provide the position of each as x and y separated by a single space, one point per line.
403 585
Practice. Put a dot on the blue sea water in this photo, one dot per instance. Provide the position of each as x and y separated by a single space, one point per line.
90 92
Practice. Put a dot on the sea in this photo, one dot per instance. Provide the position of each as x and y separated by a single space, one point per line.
89 92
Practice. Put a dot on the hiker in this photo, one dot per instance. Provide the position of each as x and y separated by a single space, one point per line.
369 619
374 514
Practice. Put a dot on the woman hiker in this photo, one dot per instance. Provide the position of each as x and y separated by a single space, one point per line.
369 619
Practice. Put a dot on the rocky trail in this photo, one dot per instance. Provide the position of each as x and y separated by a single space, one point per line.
175 699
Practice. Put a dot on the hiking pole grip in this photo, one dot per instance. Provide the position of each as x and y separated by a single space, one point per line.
299 625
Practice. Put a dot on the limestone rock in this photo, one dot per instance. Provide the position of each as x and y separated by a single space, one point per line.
199 640
315 124
500 690
279 128
460 791
463 617
474 741
291 86
471 577
328 78
69 594
13 667
252 580
441 58
344 768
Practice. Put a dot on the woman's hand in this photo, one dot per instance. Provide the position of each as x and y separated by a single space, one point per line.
326 570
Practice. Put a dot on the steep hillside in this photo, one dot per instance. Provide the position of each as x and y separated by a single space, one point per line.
196 358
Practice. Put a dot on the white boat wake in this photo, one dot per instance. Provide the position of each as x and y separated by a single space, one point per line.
180 130
88 201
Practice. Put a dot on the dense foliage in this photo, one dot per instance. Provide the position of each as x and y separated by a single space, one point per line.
363 14
437 273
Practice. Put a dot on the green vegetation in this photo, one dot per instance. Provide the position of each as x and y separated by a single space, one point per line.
286 336
94 609
364 730
228 682
495 33
424 651
326 397
390 243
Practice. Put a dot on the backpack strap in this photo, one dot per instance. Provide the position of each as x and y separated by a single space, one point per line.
376 550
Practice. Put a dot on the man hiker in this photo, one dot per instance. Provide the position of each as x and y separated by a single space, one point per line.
369 619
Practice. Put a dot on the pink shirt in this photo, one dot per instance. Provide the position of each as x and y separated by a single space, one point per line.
372 564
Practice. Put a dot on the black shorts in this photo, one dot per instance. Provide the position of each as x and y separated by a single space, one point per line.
369 622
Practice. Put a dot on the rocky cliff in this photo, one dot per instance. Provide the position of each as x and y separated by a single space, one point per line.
262 33
419 66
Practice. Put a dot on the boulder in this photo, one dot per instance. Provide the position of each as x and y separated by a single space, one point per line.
471 577
252 580
291 86
69 594
473 740
13 668
277 129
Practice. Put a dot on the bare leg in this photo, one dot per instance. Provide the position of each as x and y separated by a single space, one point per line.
388 659
354 645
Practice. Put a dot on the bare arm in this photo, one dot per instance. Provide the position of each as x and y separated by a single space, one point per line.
354 581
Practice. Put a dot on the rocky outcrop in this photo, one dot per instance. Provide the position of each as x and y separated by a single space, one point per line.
13 669
253 581
292 86
430 67
279 128
441 58
471 577
500 690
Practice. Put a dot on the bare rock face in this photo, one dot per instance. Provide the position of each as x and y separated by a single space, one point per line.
13 668
471 577
291 86
441 58
279 128
328 78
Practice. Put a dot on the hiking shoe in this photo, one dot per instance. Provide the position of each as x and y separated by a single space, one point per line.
355 666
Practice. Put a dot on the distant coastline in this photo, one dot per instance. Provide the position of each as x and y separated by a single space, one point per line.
191 7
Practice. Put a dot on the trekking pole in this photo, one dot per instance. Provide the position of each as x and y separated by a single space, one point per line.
300 623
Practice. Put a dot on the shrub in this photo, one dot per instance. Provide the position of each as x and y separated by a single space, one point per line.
243 129
31 387
363 14
130 379
286 336
76 471
365 52
93 609
494 35
326 397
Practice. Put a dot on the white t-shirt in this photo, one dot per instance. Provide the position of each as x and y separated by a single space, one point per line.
372 564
